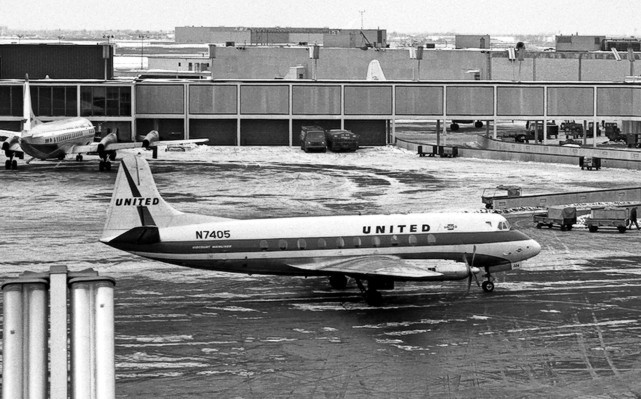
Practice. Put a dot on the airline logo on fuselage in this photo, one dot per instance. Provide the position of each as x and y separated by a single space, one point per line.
137 201
397 228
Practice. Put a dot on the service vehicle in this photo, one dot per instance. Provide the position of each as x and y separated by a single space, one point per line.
312 138
613 132
590 163
535 130
564 216
607 217
491 194
341 140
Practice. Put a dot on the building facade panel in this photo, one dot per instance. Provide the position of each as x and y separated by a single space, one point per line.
160 99
264 99
218 131
56 61
213 99
419 100
370 132
368 100
619 101
264 132
570 101
316 100
470 100
513 101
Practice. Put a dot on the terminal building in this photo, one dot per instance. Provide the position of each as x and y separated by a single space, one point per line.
266 111
242 36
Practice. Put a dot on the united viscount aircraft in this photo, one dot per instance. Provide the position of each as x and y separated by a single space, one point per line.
376 250
68 136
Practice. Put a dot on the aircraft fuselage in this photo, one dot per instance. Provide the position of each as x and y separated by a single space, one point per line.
55 139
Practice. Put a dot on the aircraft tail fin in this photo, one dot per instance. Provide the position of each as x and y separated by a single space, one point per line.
374 71
29 117
136 202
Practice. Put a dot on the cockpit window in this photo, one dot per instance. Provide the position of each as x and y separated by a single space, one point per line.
504 225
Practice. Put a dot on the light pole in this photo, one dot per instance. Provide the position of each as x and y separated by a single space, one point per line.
108 37
20 38
142 46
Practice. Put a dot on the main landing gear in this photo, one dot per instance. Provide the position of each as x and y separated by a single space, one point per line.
370 294
105 160
11 164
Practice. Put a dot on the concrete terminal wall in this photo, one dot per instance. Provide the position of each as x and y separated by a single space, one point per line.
252 62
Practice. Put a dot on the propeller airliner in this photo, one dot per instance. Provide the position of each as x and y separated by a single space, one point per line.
376 249
68 136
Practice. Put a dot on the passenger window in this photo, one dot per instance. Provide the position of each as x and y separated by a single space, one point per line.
282 244
376 242
322 244
340 242
302 244
264 245
394 240
413 240
357 242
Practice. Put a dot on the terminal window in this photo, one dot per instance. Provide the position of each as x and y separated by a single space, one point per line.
105 101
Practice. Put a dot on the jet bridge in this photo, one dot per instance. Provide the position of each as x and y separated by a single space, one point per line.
631 194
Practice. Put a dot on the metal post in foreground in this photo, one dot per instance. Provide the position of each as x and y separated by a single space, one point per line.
24 372
25 351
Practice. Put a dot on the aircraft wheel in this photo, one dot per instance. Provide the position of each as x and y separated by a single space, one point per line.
621 229
593 229
7 164
454 127
338 281
373 298
478 124
79 157
14 165
487 286
101 166
107 166
539 225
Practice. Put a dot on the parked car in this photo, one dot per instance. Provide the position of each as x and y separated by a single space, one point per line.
312 138
341 140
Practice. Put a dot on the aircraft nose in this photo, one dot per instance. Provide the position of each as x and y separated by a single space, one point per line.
534 248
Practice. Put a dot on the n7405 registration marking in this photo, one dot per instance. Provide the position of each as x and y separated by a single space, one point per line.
212 234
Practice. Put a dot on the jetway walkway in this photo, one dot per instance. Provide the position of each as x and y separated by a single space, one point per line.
631 194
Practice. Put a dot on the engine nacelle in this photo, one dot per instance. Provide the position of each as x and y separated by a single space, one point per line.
150 138
108 139
9 142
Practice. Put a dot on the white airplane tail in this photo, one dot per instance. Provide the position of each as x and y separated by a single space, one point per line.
30 119
137 208
374 71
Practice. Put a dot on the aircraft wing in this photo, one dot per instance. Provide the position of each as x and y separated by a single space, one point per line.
13 138
373 266
93 147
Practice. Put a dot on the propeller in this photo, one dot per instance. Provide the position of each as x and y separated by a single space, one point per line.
470 273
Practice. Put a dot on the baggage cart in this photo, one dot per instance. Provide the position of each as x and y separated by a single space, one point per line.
563 216
607 217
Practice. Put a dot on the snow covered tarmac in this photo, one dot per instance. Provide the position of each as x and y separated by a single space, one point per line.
566 325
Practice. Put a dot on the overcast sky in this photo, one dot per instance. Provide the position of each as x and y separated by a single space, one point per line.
586 17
